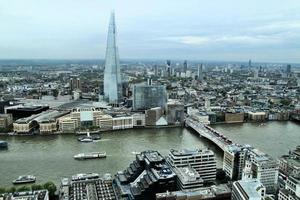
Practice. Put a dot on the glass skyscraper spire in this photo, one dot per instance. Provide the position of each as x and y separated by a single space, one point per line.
112 75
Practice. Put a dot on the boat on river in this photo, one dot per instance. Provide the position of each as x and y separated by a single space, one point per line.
3 145
25 179
92 155
89 138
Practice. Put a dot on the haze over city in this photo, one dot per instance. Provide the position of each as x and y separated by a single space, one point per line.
197 30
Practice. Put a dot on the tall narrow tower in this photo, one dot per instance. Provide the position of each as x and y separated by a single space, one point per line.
112 74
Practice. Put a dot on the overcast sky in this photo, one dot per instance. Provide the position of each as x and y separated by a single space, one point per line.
236 30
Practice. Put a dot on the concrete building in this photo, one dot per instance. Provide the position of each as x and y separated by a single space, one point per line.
234 161
188 178
292 188
175 113
203 161
231 117
122 122
248 190
152 116
261 166
257 116
139 119
149 96
5 120
215 192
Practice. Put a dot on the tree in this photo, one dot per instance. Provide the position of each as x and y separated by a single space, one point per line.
2 190
50 186
55 92
11 190
35 187
23 188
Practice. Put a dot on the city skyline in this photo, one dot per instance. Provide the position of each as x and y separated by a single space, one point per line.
194 30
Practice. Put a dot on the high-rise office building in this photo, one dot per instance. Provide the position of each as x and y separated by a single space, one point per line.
112 74
200 72
250 63
149 96
288 69
185 65
168 68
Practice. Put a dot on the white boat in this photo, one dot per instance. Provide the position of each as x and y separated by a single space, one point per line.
89 138
92 155
25 179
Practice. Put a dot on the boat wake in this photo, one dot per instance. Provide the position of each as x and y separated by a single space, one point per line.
102 140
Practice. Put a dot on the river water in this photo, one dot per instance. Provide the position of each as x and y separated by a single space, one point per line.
51 157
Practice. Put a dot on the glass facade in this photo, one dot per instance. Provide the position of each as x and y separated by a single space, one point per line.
112 75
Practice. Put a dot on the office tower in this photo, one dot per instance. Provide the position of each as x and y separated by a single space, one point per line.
248 190
149 96
185 66
155 70
168 68
288 69
234 161
149 81
292 188
200 73
255 73
175 112
262 167
203 161
250 64
112 75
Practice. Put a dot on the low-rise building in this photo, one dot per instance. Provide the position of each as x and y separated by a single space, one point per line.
188 178
215 192
251 189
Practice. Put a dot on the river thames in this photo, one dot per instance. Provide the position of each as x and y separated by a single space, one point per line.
50 158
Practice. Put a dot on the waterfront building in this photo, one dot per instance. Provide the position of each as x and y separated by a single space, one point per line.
43 123
292 188
234 117
139 119
26 195
203 161
122 122
112 74
147 175
262 167
6 120
152 116
21 111
251 189
257 116
234 161
175 112
149 96
214 192
188 178
87 186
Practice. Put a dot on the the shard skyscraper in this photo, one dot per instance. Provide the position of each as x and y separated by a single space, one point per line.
112 75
